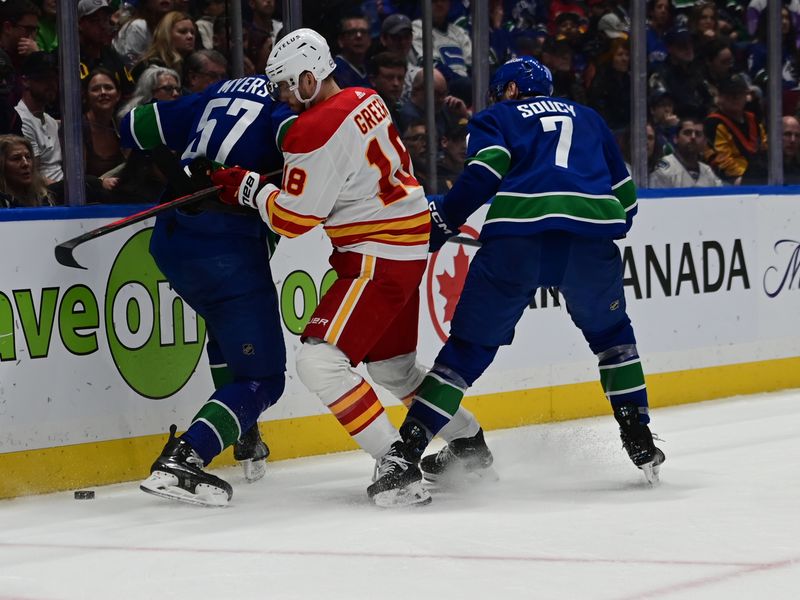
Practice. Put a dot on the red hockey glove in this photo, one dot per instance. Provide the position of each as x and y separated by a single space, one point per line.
239 186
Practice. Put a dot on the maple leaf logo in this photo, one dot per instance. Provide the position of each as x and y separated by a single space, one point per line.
450 286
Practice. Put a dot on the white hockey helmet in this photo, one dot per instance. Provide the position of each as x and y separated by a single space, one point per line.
297 52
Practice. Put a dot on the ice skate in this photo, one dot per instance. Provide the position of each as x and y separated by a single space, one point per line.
462 459
398 481
252 452
638 442
178 475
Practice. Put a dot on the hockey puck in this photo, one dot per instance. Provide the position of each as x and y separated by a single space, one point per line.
84 495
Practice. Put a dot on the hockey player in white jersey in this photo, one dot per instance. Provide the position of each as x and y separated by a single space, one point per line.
347 169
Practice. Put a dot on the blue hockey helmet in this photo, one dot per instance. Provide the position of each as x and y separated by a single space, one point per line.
531 77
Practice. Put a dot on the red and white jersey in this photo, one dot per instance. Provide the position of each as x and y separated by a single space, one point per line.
346 167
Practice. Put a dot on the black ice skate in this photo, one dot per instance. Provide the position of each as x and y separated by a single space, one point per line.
638 442
464 457
398 480
178 475
252 452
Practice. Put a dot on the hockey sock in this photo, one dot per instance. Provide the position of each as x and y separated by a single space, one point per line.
467 360
230 411
622 378
437 399
462 425
361 414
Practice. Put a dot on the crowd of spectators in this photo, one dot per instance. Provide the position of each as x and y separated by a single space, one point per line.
706 77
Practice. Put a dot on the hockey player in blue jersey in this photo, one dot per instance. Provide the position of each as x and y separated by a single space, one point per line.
219 263
561 196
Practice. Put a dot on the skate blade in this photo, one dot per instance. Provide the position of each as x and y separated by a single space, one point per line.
253 469
651 469
412 494
165 485
460 477
651 474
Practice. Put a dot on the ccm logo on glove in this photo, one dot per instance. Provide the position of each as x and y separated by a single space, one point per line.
437 219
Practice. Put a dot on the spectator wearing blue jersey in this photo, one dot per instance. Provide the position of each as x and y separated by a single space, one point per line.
560 197
757 52
351 62
659 21
219 264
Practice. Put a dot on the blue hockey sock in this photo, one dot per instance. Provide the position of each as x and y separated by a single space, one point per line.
467 359
231 411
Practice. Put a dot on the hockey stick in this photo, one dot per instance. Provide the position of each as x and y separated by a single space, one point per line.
465 241
64 250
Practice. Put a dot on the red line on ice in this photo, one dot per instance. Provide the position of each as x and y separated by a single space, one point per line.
744 566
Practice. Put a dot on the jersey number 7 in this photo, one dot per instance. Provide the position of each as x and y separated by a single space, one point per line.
564 137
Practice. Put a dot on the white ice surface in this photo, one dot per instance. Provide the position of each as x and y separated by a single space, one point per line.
570 518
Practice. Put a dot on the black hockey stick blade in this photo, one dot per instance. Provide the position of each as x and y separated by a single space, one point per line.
465 241
64 250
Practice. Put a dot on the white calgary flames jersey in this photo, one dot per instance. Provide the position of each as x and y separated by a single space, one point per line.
346 167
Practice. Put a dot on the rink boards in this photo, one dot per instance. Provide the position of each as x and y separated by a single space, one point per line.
95 364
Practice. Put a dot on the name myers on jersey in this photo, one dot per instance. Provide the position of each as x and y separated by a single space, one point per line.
537 107
372 114
257 86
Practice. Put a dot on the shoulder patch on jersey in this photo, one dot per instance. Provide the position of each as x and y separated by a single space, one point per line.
314 127
662 164
146 126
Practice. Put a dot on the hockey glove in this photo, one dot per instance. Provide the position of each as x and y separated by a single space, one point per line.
441 230
239 186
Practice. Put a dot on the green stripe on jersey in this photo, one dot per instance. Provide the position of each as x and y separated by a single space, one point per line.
626 194
496 158
440 394
222 419
533 208
146 130
622 377
283 129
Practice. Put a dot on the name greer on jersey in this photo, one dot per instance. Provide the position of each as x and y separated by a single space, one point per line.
347 169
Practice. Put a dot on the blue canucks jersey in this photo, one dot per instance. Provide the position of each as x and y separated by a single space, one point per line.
550 163
233 122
